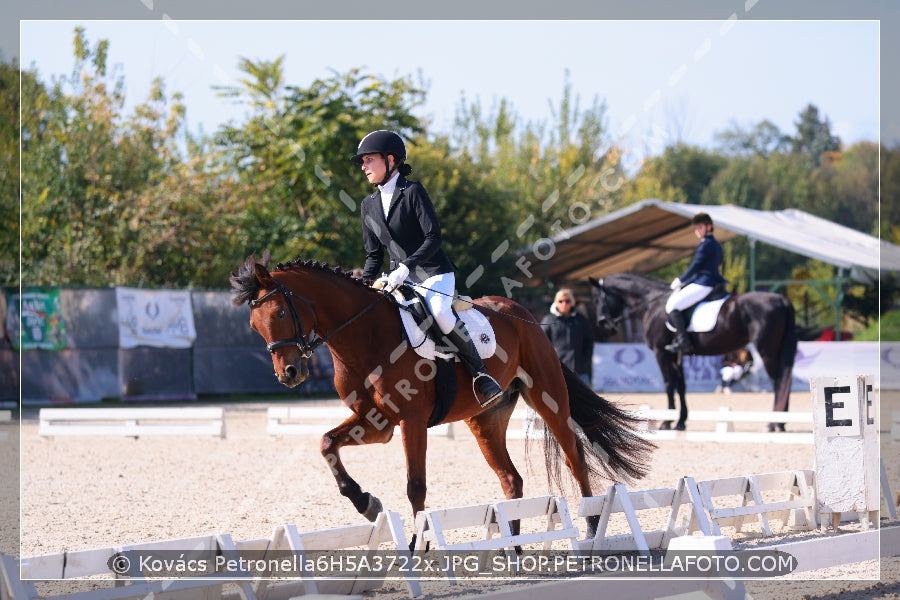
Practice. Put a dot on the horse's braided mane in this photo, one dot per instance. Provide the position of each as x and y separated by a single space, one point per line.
296 263
245 286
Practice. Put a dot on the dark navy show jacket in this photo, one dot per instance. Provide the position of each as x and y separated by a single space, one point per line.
411 233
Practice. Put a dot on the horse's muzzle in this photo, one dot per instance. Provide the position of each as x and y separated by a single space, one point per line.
293 374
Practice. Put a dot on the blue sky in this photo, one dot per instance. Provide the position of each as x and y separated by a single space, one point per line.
661 80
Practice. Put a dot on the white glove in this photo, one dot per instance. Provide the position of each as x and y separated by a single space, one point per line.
396 277
380 282
676 284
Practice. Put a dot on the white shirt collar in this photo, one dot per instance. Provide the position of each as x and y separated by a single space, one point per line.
387 192
389 187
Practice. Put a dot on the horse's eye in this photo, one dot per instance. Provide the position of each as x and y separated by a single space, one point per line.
280 313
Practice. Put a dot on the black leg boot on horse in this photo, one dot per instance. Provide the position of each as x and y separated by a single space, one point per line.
681 343
488 390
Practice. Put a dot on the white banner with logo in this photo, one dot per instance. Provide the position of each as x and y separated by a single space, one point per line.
633 368
158 318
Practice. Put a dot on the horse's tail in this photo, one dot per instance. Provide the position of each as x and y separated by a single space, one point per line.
786 358
616 450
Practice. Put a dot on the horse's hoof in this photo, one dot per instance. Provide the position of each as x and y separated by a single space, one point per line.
665 425
680 427
412 543
776 427
373 509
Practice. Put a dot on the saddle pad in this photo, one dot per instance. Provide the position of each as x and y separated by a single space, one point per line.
704 317
476 323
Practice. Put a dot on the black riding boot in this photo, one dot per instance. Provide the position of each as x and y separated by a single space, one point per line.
486 385
681 343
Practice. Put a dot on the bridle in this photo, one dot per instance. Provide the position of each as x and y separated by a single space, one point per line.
605 317
613 322
299 340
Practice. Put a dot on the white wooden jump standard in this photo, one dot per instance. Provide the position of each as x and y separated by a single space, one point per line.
387 529
619 500
495 519
800 502
132 422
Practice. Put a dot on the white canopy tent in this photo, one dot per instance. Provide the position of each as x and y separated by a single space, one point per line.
652 233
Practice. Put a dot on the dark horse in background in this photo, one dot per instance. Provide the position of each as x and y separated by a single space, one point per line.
386 384
764 318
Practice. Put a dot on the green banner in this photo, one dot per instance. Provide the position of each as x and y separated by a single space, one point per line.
39 325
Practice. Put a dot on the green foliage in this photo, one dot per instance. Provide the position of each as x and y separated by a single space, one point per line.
9 170
292 156
109 198
885 329
112 198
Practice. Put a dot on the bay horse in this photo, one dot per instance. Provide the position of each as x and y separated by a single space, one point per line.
386 384
764 318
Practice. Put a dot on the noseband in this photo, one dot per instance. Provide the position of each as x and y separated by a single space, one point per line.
299 340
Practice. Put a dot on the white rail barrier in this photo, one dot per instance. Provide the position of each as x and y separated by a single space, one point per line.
132 422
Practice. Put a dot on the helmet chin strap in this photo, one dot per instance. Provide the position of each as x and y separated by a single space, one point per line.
388 171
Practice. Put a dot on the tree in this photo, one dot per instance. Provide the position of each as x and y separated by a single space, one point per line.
763 140
109 198
292 156
814 138
681 174
9 169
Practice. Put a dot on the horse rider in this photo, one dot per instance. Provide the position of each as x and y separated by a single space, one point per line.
695 284
400 217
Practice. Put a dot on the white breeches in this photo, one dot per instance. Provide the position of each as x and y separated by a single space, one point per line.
732 373
438 293
688 295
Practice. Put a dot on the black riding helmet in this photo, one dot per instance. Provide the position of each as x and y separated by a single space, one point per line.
382 142
701 218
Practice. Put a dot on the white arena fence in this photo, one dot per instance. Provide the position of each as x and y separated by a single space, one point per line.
704 507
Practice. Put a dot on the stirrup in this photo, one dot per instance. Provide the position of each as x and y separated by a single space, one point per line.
494 395
680 345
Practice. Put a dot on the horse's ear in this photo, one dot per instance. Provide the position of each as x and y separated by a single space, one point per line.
262 274
264 261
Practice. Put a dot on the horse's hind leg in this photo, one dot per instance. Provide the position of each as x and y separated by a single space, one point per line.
489 429
354 431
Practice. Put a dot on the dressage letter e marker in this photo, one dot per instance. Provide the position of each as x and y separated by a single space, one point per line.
830 405
846 436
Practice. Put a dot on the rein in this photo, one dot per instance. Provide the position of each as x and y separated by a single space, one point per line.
300 340
488 308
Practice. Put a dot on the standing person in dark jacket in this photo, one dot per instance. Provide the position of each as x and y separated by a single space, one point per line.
696 283
571 334
400 217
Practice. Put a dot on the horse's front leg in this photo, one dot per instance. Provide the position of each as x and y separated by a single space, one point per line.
356 430
681 388
415 444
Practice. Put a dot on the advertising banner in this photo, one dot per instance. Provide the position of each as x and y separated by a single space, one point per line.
631 368
156 318
39 325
